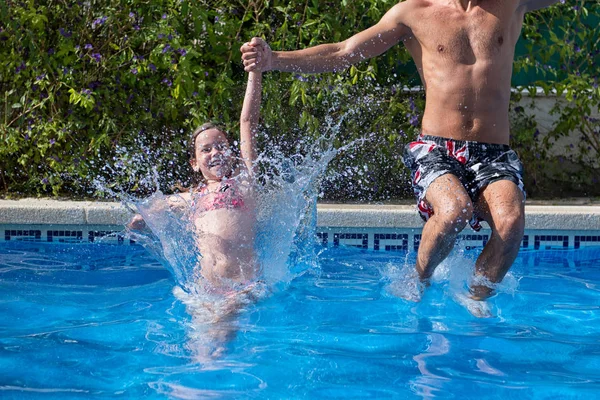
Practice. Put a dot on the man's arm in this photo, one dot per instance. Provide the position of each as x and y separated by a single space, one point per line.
331 57
532 5
249 119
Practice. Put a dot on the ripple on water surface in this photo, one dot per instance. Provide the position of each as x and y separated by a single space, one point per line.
114 328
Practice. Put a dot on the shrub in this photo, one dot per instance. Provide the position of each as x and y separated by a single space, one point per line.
94 88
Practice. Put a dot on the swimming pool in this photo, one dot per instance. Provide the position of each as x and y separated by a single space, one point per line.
101 320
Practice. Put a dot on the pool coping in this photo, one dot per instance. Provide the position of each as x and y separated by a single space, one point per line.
581 217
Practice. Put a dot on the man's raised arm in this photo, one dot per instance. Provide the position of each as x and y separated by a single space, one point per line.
330 57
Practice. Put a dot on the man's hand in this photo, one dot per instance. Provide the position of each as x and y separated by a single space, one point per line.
256 55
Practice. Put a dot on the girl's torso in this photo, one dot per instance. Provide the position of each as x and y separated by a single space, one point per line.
224 218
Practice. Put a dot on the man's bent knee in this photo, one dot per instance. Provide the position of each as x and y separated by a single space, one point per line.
454 215
510 227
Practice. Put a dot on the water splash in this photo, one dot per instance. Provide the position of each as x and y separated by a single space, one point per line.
453 276
286 197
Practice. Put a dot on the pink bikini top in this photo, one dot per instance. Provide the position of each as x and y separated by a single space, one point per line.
226 196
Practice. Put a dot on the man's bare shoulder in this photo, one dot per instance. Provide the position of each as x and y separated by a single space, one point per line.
405 12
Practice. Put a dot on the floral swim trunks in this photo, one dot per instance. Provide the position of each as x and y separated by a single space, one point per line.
475 164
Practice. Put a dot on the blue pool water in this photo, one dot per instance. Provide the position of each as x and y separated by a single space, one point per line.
101 321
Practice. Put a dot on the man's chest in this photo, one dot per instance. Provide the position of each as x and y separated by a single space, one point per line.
463 36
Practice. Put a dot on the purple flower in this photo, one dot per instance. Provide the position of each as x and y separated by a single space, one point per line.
166 48
131 15
20 68
50 51
167 82
134 71
99 21
40 77
414 120
216 19
206 73
88 46
52 141
195 94
164 16
183 52
136 27
152 67
161 36
97 57
65 33
45 181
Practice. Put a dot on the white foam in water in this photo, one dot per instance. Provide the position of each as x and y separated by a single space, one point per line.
454 274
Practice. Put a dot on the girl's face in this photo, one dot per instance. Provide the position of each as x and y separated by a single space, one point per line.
213 159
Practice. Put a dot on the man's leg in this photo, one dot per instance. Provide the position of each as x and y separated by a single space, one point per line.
502 206
452 209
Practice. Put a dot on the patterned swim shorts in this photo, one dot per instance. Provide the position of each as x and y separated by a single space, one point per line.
475 164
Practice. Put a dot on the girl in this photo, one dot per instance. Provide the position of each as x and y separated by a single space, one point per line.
222 206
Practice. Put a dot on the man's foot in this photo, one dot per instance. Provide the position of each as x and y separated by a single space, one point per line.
478 308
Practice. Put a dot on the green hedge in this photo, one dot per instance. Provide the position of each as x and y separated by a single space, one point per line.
108 89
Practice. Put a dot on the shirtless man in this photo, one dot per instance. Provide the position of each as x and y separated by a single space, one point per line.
462 168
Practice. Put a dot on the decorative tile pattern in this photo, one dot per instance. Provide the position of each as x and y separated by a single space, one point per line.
378 239
64 236
548 242
23 235
586 241
323 238
360 240
472 241
107 236
390 242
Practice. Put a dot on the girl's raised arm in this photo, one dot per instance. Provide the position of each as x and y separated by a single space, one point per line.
249 119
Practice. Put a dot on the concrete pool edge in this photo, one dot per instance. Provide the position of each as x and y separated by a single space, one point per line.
374 227
57 212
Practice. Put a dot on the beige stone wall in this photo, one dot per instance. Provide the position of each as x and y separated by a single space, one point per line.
540 107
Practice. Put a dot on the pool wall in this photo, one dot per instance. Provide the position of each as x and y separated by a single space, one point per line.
375 227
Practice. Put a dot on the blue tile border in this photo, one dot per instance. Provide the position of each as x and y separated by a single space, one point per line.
378 239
